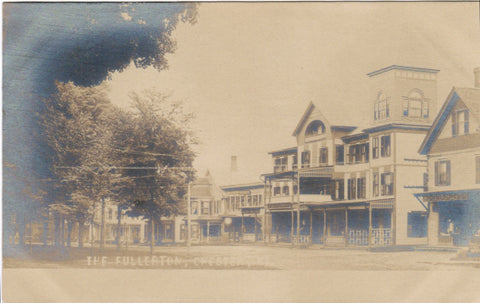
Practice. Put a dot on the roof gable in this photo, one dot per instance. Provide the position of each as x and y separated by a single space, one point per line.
469 96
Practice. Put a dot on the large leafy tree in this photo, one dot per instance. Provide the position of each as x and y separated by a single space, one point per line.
140 159
157 157
77 127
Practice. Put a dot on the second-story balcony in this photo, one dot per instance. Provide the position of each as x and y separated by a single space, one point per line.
304 198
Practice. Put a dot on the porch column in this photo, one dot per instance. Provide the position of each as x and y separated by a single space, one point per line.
255 229
241 231
433 225
370 224
291 233
324 226
311 227
346 226
208 231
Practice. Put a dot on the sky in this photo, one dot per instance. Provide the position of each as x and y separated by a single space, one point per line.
249 70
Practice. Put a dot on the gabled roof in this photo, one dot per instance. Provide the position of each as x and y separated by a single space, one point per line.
329 117
401 67
469 96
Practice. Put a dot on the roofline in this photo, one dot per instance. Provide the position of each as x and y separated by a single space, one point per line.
343 128
283 151
302 120
389 126
352 137
451 99
234 187
401 67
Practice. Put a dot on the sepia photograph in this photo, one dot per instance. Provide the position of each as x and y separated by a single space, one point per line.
241 152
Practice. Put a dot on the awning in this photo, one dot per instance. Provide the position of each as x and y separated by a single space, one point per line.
317 172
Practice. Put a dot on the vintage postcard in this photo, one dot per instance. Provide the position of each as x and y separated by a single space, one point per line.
241 152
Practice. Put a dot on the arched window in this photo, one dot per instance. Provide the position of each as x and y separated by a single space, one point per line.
415 105
315 128
381 108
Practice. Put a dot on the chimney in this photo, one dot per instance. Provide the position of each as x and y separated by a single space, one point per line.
476 72
233 164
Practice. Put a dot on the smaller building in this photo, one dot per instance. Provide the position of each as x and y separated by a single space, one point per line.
452 192
205 212
244 212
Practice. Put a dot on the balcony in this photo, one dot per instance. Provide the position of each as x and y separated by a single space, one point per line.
314 198
279 168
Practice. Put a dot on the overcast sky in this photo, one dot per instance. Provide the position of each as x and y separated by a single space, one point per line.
249 70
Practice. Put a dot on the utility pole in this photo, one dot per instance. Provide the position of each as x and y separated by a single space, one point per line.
188 216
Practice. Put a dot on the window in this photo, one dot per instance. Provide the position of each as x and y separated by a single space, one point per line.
259 199
375 185
315 128
477 167
358 153
381 108
361 188
255 199
415 105
295 189
242 200
110 214
387 184
375 146
285 190
417 224
323 155
385 146
194 208
364 151
339 190
460 123
276 191
280 164
339 150
295 162
205 208
352 190
442 173
306 159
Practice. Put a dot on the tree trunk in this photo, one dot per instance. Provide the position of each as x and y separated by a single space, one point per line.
45 231
102 226
152 237
119 226
69 232
81 223
57 230
22 225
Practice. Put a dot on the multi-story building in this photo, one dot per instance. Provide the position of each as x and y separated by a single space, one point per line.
348 185
243 211
453 149
205 213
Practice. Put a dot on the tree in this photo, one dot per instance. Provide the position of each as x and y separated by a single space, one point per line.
77 128
157 155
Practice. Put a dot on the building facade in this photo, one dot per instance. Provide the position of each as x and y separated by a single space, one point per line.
348 185
453 150
244 212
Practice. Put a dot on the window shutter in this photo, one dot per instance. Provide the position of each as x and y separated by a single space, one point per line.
448 173
465 127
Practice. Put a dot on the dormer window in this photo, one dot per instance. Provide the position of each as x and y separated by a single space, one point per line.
381 108
460 123
415 105
315 128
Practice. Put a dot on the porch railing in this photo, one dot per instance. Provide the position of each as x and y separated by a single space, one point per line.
358 236
381 236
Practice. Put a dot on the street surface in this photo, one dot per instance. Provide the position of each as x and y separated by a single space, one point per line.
243 274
